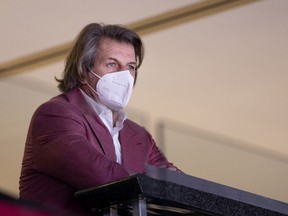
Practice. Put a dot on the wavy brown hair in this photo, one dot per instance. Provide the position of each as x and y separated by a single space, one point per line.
83 54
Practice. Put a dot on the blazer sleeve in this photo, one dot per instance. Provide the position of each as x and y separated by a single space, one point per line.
142 148
61 149
157 158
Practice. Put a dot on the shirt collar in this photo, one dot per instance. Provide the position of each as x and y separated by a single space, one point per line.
105 114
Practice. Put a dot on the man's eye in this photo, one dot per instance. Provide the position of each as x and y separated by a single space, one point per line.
131 67
111 64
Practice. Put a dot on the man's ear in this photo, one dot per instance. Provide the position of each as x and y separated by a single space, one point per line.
83 82
86 71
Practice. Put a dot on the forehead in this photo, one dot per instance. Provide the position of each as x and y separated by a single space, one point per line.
110 48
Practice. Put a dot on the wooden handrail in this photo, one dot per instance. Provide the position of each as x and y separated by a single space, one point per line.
142 27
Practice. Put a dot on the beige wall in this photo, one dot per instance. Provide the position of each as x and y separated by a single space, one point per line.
225 73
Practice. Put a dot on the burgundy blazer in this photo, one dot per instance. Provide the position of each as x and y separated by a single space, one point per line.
68 148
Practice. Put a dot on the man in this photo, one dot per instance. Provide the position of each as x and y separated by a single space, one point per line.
82 138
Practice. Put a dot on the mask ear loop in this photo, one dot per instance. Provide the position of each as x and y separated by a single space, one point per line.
92 89
90 85
95 74
136 75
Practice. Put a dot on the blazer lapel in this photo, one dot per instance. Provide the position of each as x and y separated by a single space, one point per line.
102 134
131 147
99 129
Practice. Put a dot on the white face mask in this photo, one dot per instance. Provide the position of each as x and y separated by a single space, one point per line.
114 89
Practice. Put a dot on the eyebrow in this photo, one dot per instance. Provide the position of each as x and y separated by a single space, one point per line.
114 59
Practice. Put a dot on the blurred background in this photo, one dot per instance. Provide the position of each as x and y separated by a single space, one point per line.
212 90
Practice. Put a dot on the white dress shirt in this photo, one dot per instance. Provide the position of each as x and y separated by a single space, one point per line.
106 116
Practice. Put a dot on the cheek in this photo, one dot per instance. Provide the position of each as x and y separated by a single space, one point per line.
91 80
133 73
102 71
